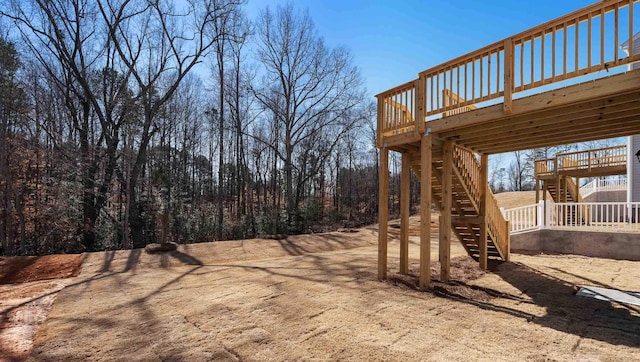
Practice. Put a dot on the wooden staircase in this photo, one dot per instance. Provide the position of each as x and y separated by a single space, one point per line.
565 191
562 189
466 215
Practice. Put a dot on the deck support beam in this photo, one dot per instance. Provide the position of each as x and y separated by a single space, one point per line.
484 195
405 192
544 198
420 125
383 212
537 197
445 212
425 210
507 106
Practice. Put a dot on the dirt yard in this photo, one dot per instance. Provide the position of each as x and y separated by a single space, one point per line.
316 297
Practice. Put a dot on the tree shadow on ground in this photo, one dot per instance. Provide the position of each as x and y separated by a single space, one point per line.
132 259
185 258
108 257
605 321
185 265
585 317
319 243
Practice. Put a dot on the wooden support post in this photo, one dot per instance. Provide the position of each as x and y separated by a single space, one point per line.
508 256
544 198
559 196
559 188
425 211
508 76
537 196
405 192
484 195
445 212
383 212
420 85
380 121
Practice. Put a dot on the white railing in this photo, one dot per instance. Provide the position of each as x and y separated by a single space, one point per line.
589 216
595 216
524 218
614 184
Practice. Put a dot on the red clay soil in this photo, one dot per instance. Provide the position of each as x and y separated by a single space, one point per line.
22 269
28 287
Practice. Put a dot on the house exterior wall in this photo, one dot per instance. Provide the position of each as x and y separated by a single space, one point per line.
633 169
633 146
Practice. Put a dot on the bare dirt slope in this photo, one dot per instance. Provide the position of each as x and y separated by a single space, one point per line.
316 297
28 288
512 199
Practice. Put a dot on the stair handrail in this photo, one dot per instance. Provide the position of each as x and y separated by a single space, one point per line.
468 166
498 226
574 190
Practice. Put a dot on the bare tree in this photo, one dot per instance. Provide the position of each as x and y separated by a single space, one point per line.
520 172
158 45
119 61
113 126
239 101
61 35
11 102
496 173
307 87
225 31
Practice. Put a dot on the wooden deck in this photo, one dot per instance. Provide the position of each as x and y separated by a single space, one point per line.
560 176
445 107
607 161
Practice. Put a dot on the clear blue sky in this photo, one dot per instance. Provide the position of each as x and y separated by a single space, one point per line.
392 41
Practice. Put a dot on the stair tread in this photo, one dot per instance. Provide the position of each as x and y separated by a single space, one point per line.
467 232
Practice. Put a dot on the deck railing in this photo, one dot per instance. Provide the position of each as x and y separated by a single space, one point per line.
546 167
615 184
524 218
596 216
580 43
582 160
475 78
585 216
591 159
396 109
585 41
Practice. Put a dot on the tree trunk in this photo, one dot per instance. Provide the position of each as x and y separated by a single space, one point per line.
288 174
